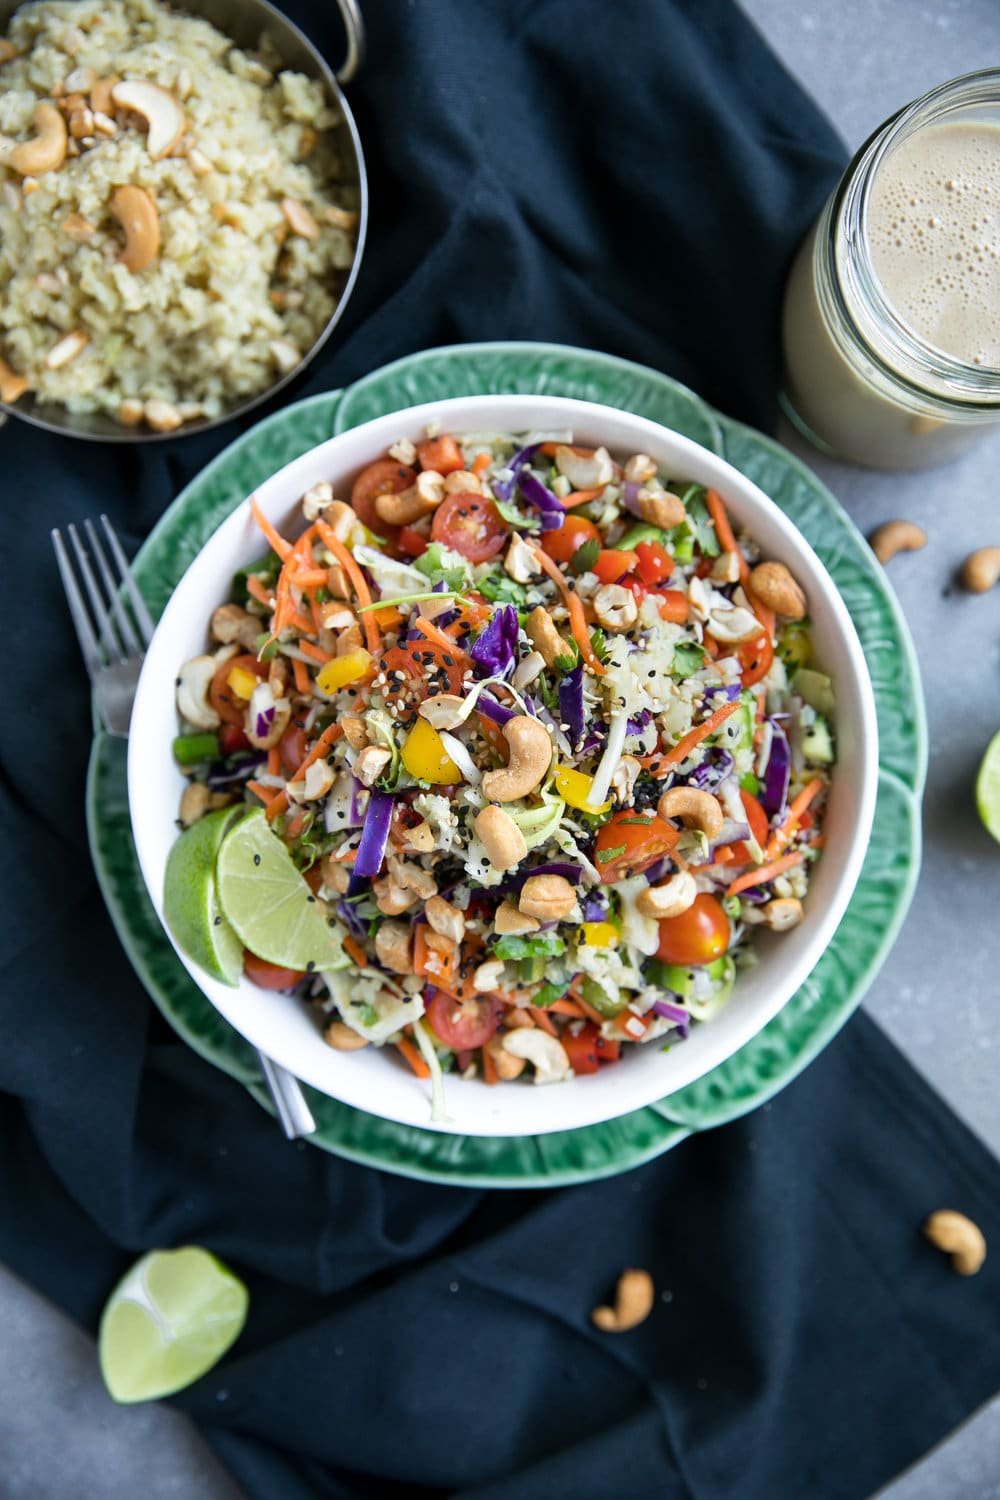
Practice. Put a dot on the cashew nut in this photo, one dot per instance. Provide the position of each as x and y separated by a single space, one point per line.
660 508
404 452
695 808
585 471
507 919
774 586
231 624
78 228
409 505
394 946
420 838
274 730
7 50
163 115
500 837
546 1053
550 898
162 416
444 711
336 875
341 218
782 913
12 385
488 975
633 1303
897 536
370 764
314 785
730 626
47 148
963 1240
193 683
390 898
135 211
639 469
299 220
101 101
286 355
981 569
463 482
508 1067
65 350
355 731
194 803
445 918
624 778
545 637
669 899
615 607
530 756
520 561
726 568
317 500
412 877
343 1037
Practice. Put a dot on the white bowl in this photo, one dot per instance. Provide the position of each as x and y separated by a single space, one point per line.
378 1081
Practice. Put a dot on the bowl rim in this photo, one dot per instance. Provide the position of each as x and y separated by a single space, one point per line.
281 492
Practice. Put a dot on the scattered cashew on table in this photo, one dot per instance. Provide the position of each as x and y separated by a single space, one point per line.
958 1237
633 1303
979 573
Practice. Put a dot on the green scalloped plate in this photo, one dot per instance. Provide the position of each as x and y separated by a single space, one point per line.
834 988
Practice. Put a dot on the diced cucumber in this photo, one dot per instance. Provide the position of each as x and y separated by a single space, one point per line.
817 742
597 996
816 689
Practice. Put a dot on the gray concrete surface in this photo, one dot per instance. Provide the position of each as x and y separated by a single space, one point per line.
60 1436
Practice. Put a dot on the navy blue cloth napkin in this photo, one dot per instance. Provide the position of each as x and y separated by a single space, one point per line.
633 177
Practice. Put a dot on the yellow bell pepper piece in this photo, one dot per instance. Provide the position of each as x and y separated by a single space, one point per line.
599 934
574 788
425 757
241 682
341 670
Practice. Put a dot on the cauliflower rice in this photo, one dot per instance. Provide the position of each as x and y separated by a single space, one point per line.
255 208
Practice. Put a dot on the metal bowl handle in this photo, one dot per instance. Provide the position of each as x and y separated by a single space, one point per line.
354 27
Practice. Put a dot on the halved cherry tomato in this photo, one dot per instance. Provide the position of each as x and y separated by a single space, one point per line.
441 453
630 842
612 564
755 656
470 524
270 976
672 605
232 738
653 563
293 746
412 543
588 1049
384 477
227 704
563 544
414 671
463 1024
698 936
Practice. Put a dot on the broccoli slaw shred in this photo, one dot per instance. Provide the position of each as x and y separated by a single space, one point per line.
540 726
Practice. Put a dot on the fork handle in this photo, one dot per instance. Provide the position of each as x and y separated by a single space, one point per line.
294 1113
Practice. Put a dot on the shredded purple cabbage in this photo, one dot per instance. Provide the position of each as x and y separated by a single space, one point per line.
264 722
656 872
779 769
222 774
669 1012
729 690
495 649
571 705
713 770
514 882
638 724
504 488
630 497
541 497
374 835
485 704
357 925
595 908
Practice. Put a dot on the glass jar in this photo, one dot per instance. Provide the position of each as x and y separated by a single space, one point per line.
859 381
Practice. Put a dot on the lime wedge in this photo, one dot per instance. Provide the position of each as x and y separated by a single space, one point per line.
988 787
172 1318
272 910
190 904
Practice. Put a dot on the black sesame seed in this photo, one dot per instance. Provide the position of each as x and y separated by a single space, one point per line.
310 967
256 859
311 899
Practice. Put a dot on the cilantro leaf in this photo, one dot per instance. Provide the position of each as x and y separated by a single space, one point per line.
548 993
599 644
689 658
536 945
498 588
431 563
517 518
585 557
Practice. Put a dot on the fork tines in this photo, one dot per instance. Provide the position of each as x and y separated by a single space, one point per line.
108 631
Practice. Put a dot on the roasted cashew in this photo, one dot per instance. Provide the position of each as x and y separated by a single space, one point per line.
274 730
409 505
633 1303
546 1053
639 469
12 385
507 1065
730 626
343 1037
162 416
194 803
370 764
232 624
585 471
615 607
544 636
774 586
390 898
65 349
660 508
782 913
725 568
963 1240
696 809
488 975
355 731
299 220
46 151
508 920
163 115
981 569
101 101
420 839
897 536
135 211
445 918
530 757
550 898
500 837
394 946
193 683
669 899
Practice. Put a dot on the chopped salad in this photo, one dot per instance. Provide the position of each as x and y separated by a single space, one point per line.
541 730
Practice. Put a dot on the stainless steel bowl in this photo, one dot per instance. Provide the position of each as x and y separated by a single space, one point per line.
242 21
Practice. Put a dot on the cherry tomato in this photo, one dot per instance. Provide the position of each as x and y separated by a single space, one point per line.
227 704
426 669
698 936
232 738
293 746
653 563
755 656
384 477
673 606
470 524
313 878
463 1024
612 564
588 1049
270 976
441 454
412 543
563 545
630 842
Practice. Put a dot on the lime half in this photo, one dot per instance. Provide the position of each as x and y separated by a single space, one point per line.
169 1321
190 904
269 905
988 787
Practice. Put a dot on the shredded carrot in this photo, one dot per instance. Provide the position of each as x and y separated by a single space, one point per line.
317 616
763 873
430 630
480 463
274 761
573 602
725 855
276 540
549 449
303 682
358 583
489 1067
542 1021
766 616
587 1009
580 497
565 1007
299 622
331 733
389 617
259 592
354 950
413 1057
308 648
310 578
684 746
267 794
723 530
783 836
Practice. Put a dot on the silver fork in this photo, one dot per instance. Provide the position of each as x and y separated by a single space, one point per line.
113 633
